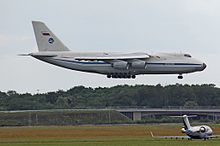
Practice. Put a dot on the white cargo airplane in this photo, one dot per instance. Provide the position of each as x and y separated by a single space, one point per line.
114 65
192 132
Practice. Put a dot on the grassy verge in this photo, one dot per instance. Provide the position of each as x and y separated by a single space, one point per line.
127 135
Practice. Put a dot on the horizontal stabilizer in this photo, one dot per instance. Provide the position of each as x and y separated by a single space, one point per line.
23 54
43 55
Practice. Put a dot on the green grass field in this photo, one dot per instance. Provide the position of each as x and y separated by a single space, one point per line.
127 135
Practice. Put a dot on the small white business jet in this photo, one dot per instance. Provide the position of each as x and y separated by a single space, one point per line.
193 132
113 65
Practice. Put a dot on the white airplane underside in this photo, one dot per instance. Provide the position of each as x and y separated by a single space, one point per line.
114 65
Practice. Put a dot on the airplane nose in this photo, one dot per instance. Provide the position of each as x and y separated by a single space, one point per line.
204 66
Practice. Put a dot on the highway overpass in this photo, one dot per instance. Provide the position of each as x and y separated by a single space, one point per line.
136 113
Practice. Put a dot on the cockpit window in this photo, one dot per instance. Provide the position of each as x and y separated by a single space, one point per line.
187 55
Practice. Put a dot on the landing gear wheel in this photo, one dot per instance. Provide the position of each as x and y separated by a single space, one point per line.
133 76
180 76
109 76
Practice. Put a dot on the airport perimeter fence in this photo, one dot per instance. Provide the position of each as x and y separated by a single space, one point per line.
98 115
60 117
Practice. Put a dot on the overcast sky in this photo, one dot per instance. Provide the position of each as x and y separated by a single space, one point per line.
191 26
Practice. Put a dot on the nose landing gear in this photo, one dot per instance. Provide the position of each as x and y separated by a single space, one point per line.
180 76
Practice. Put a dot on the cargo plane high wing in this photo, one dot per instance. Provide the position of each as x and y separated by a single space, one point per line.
192 132
113 65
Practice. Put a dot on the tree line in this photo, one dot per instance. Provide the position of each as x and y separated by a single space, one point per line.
152 96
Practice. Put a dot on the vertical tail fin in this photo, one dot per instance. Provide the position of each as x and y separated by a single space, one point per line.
46 40
186 122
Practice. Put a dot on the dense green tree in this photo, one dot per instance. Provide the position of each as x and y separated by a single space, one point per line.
138 95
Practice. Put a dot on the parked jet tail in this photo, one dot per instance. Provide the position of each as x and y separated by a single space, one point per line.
185 120
46 40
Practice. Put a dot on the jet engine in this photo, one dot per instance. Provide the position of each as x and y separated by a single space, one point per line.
183 130
138 64
120 65
202 129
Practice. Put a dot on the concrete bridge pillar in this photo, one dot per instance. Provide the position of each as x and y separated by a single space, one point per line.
136 116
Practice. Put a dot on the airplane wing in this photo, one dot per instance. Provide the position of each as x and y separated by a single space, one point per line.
109 57
170 137
214 136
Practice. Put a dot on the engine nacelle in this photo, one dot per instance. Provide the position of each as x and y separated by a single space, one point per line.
202 129
183 130
120 65
139 64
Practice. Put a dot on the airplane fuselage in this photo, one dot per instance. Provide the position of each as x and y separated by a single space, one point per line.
199 132
163 63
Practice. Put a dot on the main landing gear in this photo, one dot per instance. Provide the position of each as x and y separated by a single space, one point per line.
119 75
180 76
